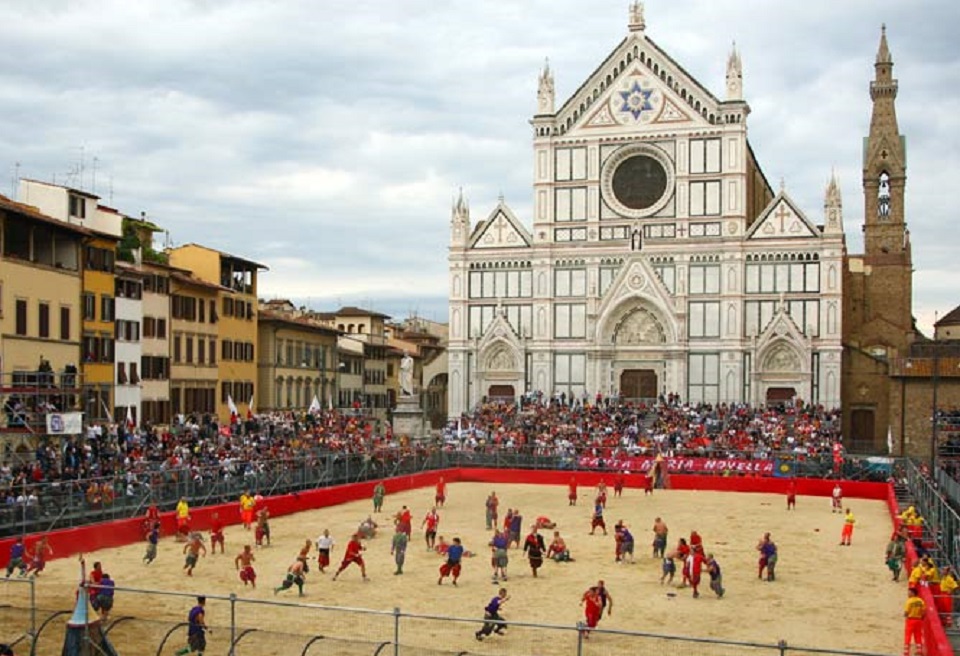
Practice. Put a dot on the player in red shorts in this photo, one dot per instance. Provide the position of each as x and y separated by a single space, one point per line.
244 563
602 493
572 492
152 517
441 495
353 554
216 533
618 484
403 521
262 531
38 559
696 569
592 609
648 483
452 564
324 547
543 521
597 521
695 541
430 523
792 495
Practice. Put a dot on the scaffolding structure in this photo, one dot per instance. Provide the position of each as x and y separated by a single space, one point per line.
29 397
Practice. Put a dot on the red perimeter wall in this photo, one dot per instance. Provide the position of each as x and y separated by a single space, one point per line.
69 542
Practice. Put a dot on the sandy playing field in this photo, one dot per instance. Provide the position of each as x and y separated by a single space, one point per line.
825 595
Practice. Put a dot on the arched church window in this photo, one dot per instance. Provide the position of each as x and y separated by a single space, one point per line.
883 196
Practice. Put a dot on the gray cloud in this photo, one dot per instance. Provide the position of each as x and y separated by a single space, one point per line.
328 139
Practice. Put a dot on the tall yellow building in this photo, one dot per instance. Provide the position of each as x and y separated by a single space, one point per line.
237 320
193 345
98 315
40 283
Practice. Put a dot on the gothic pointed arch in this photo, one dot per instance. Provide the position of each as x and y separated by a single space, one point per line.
499 348
636 307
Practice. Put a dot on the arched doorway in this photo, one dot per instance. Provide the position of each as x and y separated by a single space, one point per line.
780 396
638 384
501 394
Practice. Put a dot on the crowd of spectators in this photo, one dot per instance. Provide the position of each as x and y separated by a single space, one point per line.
604 427
111 465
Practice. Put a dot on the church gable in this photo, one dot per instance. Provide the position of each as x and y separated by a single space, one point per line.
501 230
638 85
618 318
782 330
638 99
782 220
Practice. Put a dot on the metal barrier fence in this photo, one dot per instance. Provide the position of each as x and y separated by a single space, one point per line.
297 629
63 504
940 518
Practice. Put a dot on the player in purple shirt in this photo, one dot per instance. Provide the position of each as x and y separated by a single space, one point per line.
491 615
17 552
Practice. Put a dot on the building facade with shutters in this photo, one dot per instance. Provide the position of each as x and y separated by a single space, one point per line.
659 258
235 317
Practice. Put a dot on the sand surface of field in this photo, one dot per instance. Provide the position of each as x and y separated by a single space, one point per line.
826 596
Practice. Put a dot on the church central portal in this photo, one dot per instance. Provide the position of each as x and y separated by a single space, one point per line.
638 384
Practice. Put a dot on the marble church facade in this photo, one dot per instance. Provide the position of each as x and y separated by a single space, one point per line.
659 258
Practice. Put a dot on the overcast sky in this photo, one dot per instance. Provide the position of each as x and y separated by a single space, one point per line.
328 139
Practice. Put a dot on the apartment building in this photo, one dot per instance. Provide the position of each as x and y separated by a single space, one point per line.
155 344
296 362
40 285
193 345
128 292
235 279
81 209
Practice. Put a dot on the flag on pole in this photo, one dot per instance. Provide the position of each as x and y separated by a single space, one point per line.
234 413
107 410
889 440
315 405
459 429
130 423
250 409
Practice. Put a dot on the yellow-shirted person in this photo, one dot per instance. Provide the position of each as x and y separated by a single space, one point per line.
847 535
948 585
916 575
247 505
913 612
183 519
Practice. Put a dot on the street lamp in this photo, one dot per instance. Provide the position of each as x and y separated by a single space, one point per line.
340 367
934 443
908 365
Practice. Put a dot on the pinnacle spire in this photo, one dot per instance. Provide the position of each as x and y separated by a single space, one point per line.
734 75
545 90
883 52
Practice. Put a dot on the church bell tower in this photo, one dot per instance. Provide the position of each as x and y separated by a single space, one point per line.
886 239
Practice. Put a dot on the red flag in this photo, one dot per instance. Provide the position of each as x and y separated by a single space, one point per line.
234 413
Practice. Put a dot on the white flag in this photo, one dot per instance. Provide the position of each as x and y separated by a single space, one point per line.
314 405
889 440
130 423
232 406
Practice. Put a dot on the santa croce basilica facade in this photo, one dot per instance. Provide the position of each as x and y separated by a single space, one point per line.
660 260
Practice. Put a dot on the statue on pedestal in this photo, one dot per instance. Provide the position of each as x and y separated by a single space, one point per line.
406 375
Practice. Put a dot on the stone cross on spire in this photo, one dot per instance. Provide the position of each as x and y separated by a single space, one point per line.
734 75
545 91
637 23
